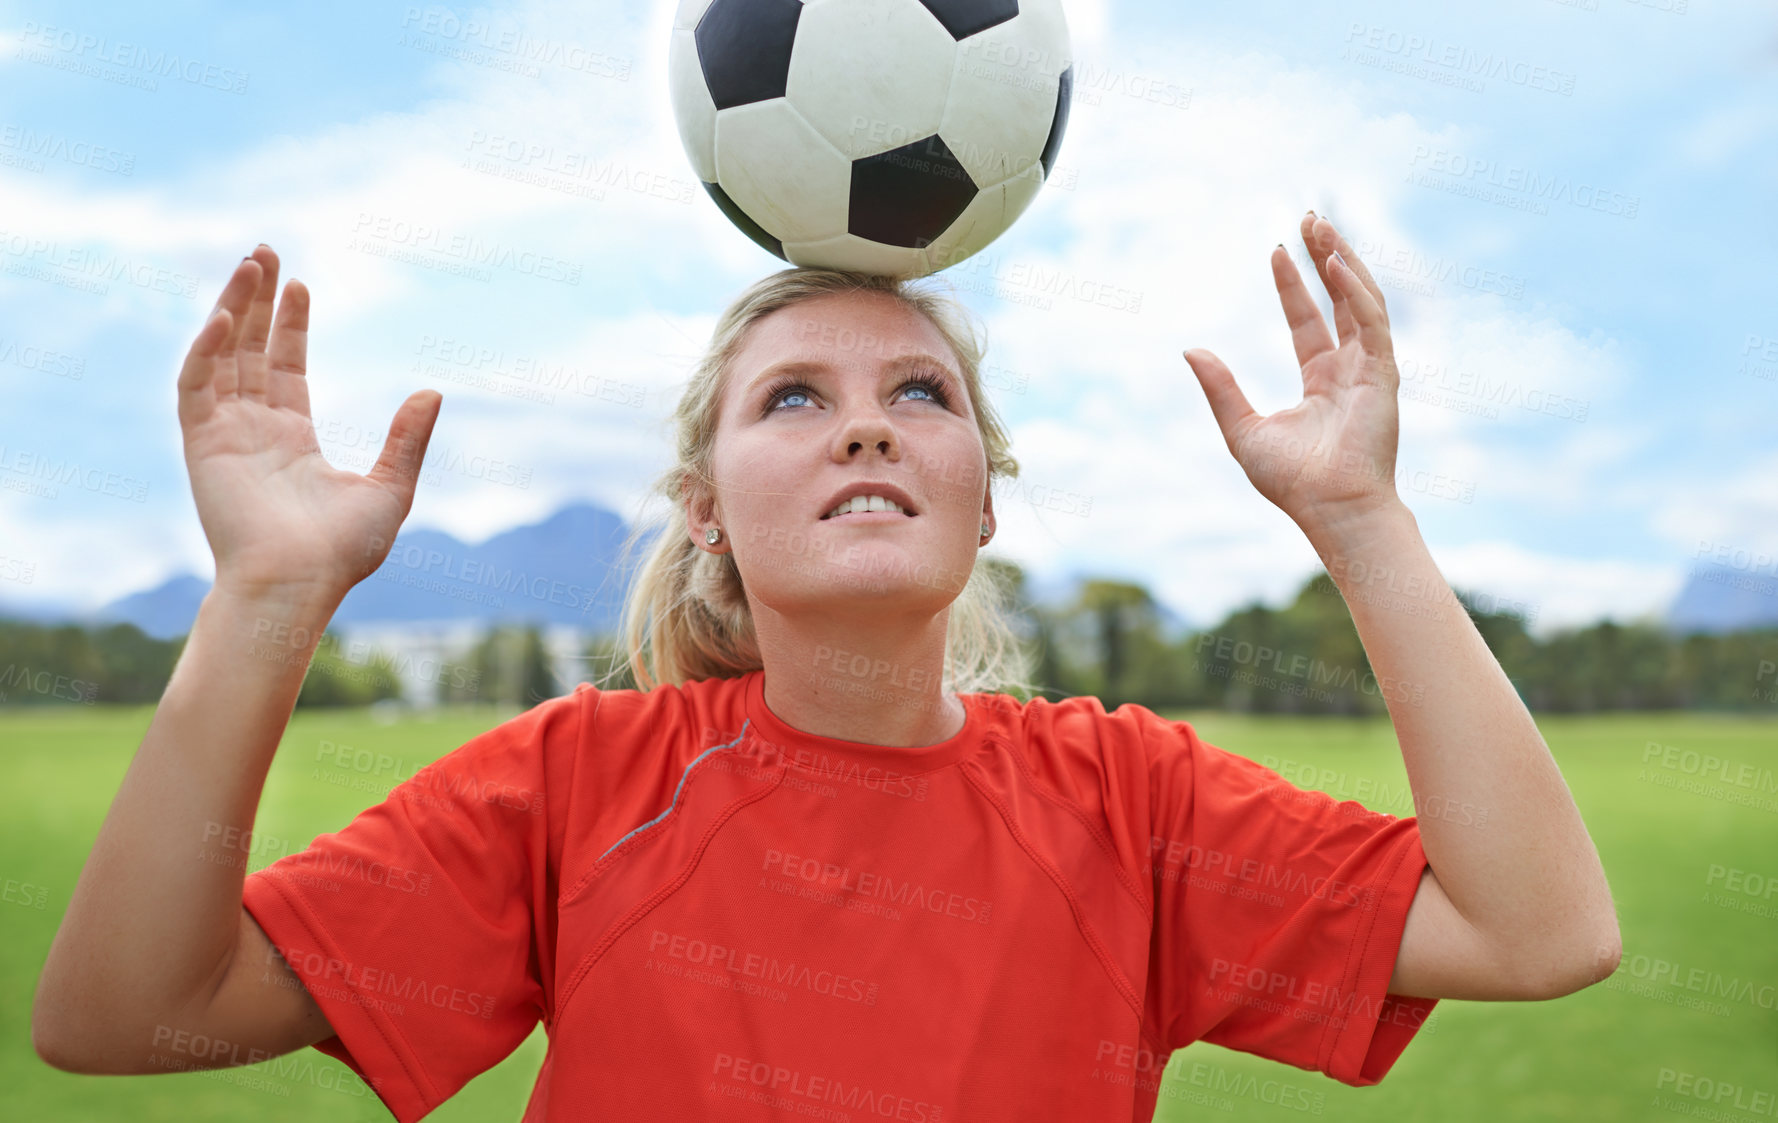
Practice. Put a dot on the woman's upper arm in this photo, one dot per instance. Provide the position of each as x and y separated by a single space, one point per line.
259 1010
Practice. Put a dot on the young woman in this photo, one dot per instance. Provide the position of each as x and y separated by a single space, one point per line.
818 867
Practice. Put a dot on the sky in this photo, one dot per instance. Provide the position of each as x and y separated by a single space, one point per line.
1569 206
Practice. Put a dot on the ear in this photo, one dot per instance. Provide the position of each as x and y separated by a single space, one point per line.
700 513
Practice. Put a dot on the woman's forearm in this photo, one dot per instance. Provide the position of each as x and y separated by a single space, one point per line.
1500 829
155 915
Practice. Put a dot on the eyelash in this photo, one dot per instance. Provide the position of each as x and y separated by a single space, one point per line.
930 383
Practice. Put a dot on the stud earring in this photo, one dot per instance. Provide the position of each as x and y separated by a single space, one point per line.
985 531
713 535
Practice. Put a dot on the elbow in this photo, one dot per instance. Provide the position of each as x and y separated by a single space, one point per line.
1588 963
59 1041
55 1049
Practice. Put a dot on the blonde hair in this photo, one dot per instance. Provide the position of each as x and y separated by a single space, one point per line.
686 615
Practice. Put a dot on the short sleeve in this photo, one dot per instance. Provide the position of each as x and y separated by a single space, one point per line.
420 927
1278 913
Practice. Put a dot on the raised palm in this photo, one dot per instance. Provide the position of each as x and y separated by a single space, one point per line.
279 518
1332 455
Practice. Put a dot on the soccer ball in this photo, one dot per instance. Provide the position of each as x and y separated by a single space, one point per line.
885 136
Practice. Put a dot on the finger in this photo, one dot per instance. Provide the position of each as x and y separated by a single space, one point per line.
1343 325
1227 404
1357 265
259 311
1308 328
250 362
398 465
197 376
1372 326
237 294
287 354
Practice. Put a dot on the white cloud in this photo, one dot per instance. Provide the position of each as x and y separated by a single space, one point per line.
1180 206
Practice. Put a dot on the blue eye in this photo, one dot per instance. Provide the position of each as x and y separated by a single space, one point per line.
789 387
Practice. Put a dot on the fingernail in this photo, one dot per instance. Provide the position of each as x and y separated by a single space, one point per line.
1311 211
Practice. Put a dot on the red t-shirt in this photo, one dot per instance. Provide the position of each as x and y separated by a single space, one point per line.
716 915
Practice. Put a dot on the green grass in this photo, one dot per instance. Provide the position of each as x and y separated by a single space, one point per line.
1596 1055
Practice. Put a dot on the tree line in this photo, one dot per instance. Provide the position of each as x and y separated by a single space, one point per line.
1108 641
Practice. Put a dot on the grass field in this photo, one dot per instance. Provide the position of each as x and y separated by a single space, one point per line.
1692 1010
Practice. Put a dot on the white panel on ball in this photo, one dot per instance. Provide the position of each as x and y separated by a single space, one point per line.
689 13
692 106
849 251
783 173
871 75
1003 97
986 218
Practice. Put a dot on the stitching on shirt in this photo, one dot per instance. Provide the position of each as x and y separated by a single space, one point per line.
1086 930
1359 947
417 1078
684 776
1099 836
653 900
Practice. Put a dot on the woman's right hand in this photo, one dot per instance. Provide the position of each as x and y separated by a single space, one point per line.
280 519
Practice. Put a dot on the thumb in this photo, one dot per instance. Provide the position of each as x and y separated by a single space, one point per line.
398 466
1227 404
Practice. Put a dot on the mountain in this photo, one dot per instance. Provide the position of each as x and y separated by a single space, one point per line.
1718 599
562 570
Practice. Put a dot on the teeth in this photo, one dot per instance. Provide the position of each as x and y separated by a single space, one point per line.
865 503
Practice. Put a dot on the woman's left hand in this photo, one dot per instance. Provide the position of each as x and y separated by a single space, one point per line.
1330 458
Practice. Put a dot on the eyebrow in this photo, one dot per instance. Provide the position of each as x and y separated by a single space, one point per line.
917 359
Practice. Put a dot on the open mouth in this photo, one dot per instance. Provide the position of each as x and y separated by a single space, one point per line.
881 516
866 506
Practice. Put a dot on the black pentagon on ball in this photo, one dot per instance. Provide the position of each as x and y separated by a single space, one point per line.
741 219
744 49
1064 95
963 18
910 195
